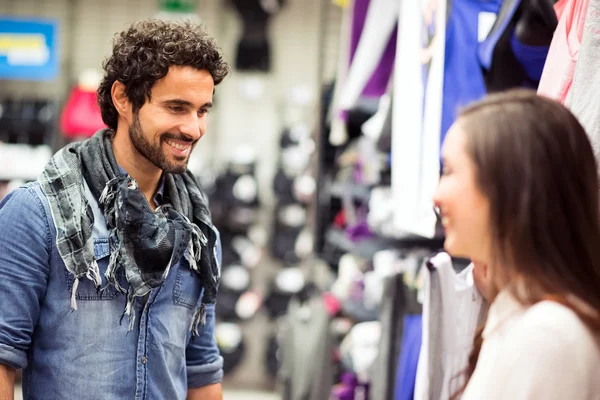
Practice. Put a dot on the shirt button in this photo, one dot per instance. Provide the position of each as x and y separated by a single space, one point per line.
143 359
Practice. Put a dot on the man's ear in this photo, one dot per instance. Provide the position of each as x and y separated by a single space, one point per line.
120 100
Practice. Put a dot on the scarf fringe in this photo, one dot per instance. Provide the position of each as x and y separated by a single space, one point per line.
198 319
197 241
113 267
108 194
93 274
129 310
108 198
74 294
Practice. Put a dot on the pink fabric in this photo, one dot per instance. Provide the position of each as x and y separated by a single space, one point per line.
81 116
562 56
332 304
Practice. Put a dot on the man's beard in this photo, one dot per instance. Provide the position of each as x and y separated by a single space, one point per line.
154 152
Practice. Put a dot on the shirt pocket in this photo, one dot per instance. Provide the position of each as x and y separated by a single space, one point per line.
86 289
188 287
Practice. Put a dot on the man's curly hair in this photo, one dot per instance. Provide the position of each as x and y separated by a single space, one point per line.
143 53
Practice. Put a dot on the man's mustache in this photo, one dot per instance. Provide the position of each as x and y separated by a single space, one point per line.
180 137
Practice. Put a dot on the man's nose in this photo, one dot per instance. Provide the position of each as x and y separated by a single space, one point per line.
193 127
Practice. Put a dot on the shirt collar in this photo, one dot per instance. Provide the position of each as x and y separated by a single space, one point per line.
503 308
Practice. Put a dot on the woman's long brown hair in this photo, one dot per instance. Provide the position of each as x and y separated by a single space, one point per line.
535 164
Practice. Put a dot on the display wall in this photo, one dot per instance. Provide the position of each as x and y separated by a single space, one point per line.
249 106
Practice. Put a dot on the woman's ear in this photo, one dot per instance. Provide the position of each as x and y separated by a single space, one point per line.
121 101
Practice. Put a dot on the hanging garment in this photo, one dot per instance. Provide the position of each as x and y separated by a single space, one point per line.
392 310
409 357
469 23
307 368
384 141
379 127
452 310
359 347
510 59
416 116
586 80
564 50
531 59
253 49
373 60
338 133
372 47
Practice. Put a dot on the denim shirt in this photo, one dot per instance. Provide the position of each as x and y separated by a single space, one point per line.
88 353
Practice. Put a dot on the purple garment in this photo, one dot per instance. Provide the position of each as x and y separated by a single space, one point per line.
359 231
347 388
377 85
359 14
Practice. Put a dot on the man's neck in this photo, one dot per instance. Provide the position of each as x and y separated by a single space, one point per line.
146 174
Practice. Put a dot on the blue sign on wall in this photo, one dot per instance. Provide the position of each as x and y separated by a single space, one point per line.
28 49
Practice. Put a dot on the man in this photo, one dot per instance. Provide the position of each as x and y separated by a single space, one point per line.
109 263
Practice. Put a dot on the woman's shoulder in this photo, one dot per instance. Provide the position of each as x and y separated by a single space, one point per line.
555 325
544 352
555 317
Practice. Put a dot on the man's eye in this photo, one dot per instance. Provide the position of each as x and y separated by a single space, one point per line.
177 109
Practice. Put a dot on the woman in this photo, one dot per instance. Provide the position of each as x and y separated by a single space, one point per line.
519 194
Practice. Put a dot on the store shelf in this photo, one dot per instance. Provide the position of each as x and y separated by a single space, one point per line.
356 190
367 248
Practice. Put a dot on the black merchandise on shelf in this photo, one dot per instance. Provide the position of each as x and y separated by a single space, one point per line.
27 121
271 358
231 343
234 200
229 255
288 283
235 280
283 186
289 222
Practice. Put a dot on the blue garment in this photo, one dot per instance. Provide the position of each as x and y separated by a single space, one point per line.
485 52
531 58
87 353
506 61
463 78
408 361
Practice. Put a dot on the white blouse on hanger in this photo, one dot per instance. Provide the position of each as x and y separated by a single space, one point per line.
539 352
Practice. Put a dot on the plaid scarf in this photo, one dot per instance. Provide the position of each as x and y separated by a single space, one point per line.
144 244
